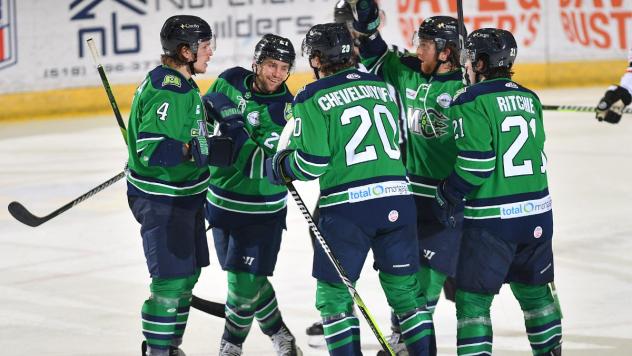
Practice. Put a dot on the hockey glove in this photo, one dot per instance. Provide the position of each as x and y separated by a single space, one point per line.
198 146
220 109
368 16
278 168
610 107
446 200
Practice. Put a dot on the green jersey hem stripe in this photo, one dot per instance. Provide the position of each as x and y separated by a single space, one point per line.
140 181
255 212
212 193
164 193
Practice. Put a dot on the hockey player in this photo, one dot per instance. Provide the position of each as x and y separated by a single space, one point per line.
246 211
167 178
501 173
616 98
346 135
426 83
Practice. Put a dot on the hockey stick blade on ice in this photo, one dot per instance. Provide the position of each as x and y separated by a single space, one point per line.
208 307
578 108
21 213
341 272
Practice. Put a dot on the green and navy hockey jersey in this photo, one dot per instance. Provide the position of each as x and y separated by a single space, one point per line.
501 163
429 133
241 193
166 113
346 135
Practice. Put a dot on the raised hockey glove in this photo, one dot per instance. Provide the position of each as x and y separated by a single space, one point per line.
198 146
225 147
611 106
368 19
445 203
278 168
220 109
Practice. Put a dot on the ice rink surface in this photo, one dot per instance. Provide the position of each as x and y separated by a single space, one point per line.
74 286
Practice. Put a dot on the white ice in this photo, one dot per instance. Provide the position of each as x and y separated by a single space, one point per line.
74 286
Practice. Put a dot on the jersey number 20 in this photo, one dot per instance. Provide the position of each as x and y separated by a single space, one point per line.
367 121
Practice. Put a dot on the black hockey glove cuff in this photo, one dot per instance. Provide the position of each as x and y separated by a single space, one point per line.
198 146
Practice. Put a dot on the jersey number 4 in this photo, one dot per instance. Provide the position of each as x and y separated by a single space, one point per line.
368 152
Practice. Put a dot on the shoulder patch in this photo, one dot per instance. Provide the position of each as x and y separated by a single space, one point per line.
353 76
444 100
511 85
171 79
287 112
253 118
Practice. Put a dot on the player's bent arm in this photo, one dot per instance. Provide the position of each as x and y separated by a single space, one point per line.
476 158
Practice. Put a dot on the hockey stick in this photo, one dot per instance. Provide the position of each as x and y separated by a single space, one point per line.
21 214
341 272
461 47
212 308
578 108
106 86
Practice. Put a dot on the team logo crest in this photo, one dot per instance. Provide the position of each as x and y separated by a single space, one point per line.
253 118
8 34
428 124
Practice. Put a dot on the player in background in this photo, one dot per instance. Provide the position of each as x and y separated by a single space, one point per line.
246 211
167 178
617 97
426 83
508 226
346 136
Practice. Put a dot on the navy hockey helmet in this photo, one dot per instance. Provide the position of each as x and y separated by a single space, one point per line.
184 30
499 46
343 12
331 42
275 47
440 29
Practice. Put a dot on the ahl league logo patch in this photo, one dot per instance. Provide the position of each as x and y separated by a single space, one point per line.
8 34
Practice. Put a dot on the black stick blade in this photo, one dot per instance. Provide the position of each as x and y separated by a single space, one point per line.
21 214
213 308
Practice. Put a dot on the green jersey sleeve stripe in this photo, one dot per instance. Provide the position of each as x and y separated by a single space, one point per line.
476 159
148 139
308 173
